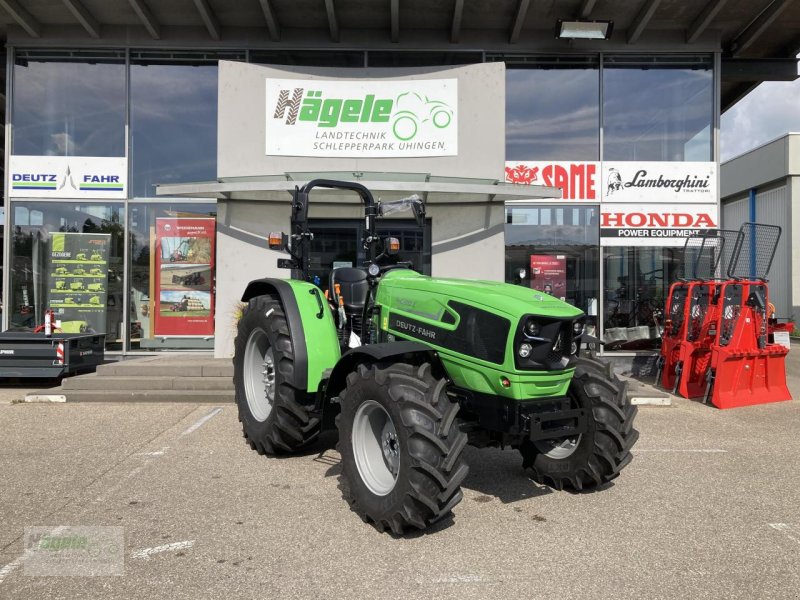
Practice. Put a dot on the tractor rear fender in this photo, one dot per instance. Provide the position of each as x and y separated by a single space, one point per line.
311 327
407 352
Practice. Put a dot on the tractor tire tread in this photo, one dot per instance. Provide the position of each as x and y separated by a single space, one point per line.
612 433
432 465
289 425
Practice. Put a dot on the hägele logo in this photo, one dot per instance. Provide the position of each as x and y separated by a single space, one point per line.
408 112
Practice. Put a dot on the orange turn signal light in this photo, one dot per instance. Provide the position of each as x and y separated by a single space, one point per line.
275 240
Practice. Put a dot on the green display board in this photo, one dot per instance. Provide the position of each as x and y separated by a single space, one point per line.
77 280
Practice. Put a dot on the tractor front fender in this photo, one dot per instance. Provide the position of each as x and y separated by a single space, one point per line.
311 327
410 352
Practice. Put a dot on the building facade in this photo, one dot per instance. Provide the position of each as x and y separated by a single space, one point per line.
114 122
763 185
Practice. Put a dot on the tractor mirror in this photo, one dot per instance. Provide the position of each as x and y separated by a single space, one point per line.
277 241
419 213
391 246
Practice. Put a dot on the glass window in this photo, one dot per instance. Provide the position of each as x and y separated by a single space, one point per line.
336 244
172 275
378 58
657 108
308 58
70 105
637 281
173 124
556 250
552 110
68 257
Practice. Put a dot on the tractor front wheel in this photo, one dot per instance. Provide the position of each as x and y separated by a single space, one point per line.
598 455
401 446
275 419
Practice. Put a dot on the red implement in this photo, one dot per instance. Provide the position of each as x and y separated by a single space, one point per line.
745 368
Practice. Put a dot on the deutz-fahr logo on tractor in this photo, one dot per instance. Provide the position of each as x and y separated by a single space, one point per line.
407 113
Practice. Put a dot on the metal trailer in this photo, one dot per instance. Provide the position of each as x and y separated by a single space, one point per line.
28 354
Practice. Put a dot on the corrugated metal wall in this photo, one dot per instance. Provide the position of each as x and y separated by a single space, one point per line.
772 207
735 212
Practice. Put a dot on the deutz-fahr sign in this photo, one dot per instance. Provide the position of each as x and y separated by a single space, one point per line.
362 118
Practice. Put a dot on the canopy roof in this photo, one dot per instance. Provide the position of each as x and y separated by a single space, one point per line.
386 186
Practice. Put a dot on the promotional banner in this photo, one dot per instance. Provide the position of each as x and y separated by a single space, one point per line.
667 225
659 182
579 181
362 118
549 274
68 177
77 280
184 292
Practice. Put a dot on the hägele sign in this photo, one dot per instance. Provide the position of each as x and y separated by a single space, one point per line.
362 118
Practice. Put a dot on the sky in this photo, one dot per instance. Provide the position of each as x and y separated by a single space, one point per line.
766 113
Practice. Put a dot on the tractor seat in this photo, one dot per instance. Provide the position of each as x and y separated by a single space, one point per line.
353 284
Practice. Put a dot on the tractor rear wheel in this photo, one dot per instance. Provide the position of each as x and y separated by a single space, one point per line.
597 456
274 414
401 446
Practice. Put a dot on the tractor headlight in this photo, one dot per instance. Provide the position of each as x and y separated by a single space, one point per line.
532 328
577 328
524 350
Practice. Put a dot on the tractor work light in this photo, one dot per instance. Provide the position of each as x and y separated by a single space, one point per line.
584 30
524 350
532 328
577 328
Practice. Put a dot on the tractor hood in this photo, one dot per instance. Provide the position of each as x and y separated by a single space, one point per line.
514 300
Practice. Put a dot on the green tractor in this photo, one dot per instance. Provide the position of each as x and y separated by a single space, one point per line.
411 369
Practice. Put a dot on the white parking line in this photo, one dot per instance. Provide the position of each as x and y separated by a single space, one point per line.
460 578
699 450
201 421
787 529
12 566
154 453
20 560
148 552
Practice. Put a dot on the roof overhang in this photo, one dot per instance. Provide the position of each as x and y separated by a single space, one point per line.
273 189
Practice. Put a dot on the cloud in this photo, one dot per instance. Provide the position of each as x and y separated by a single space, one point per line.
768 112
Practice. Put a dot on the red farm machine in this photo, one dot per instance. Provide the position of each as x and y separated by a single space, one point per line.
718 331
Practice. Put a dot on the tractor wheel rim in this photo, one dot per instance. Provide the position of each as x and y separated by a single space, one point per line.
259 374
558 449
376 448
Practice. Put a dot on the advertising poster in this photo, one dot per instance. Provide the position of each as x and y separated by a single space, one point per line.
361 118
184 298
77 280
549 274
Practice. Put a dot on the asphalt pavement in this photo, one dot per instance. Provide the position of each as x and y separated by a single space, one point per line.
707 509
